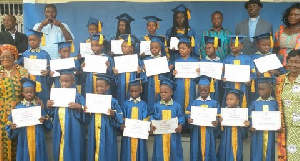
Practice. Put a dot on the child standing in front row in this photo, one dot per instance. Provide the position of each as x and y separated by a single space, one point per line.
134 108
167 146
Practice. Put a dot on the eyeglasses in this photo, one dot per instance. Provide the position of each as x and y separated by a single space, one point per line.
7 57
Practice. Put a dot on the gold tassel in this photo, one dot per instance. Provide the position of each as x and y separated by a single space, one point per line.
43 40
101 39
157 24
192 41
38 87
271 40
216 42
253 86
72 47
129 40
236 43
188 13
99 27
212 85
244 103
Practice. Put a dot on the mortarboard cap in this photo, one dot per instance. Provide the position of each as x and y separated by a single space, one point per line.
202 80
215 40
182 8
28 83
98 37
105 77
131 39
237 92
167 81
240 38
152 18
159 39
265 80
262 36
126 17
66 71
63 44
137 81
33 32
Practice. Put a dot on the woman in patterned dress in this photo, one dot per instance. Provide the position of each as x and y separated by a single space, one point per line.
288 98
10 96
288 35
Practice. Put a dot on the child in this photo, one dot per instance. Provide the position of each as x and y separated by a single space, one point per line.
238 58
122 79
186 89
102 134
26 149
134 108
68 123
181 27
261 138
35 52
203 142
231 143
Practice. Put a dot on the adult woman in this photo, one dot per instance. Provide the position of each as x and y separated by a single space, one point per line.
10 95
288 97
288 35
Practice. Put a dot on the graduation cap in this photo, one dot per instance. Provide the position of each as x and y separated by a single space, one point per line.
237 92
202 80
236 39
98 23
63 44
126 17
131 39
182 8
137 81
153 19
159 39
265 80
187 39
105 77
67 71
98 37
33 32
267 35
30 83
168 82
215 40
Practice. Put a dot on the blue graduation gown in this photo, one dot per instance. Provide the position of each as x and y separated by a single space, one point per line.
106 145
257 141
142 114
40 144
179 93
176 153
69 131
78 77
195 135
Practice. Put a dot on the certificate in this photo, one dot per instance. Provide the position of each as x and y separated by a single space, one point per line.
95 63
237 73
156 66
85 49
58 64
165 126
116 46
234 116
187 69
26 116
213 70
62 96
174 43
97 103
266 120
35 66
267 63
136 128
126 63
203 116
145 47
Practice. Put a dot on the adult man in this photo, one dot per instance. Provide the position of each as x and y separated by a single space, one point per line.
252 26
12 36
54 30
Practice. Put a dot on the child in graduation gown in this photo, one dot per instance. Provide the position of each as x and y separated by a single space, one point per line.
31 139
202 138
263 142
186 88
231 143
167 146
68 123
35 52
134 108
102 134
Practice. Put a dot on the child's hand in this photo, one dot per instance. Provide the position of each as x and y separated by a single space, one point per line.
214 123
171 67
221 119
139 70
13 126
122 127
44 72
173 49
259 74
111 112
107 64
85 109
144 67
41 119
190 121
111 53
51 73
175 72
279 130
248 83
50 103
143 55
274 72
115 71
152 128
224 79
198 70
74 105
247 123
38 101
179 128
83 64
79 56
252 129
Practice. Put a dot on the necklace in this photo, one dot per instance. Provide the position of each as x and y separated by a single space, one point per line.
8 72
294 29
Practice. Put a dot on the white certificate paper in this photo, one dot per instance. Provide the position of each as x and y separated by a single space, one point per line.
136 128
174 43
187 69
58 64
85 49
234 116
95 63
203 116
237 73
62 96
267 63
35 66
126 63
145 47
156 66
116 46
266 120
97 103
26 116
165 126
213 70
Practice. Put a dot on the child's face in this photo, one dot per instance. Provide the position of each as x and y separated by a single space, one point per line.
155 48
96 47
180 18
34 41
204 91
165 92
102 86
264 46
66 80
65 52
232 100
135 91
126 49
264 90
28 93
184 50
210 49
93 29
237 49
122 27
152 27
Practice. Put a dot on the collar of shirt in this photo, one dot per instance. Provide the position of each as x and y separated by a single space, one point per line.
237 55
259 53
269 99
37 50
216 59
13 35
28 103
201 99
170 103
286 81
254 19
157 56
137 99
212 29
